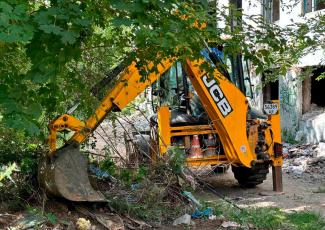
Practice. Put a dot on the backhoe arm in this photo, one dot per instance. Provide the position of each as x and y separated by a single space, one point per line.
126 89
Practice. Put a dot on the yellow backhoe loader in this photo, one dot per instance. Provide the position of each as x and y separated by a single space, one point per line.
249 140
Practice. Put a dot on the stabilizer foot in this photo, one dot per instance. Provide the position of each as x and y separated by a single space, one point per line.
277 178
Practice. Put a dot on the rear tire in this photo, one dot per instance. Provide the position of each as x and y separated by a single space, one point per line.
250 177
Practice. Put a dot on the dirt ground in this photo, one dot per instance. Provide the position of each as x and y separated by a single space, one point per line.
299 194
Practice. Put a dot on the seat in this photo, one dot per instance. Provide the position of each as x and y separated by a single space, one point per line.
179 117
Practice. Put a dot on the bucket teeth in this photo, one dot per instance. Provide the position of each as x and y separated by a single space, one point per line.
66 175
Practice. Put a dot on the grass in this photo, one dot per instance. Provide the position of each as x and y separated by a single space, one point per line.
306 220
270 217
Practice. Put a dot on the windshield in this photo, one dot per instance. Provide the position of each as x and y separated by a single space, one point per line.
172 86
234 67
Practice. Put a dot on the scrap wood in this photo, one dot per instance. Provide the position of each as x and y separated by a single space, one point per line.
141 223
6 218
108 220
129 226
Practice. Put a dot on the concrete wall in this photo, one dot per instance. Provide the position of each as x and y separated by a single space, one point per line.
290 91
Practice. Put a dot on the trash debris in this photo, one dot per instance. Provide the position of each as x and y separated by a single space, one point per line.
83 224
135 186
185 219
305 161
98 172
199 214
230 224
190 196
27 221
221 218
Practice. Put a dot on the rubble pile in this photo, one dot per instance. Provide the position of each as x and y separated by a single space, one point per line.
305 161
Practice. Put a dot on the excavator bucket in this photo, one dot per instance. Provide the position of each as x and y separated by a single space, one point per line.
66 175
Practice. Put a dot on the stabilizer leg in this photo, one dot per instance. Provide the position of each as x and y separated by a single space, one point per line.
277 178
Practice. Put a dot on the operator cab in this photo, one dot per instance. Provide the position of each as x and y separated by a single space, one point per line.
175 90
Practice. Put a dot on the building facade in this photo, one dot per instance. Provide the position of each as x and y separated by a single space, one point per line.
301 95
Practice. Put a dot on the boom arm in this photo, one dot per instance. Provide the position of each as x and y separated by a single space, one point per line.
126 89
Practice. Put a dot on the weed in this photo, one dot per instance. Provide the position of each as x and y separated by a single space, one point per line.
50 217
176 159
6 171
108 165
141 173
289 137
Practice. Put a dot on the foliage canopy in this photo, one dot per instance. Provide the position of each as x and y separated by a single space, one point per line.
53 51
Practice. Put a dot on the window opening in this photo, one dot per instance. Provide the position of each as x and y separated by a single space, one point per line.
270 90
317 88
271 10
313 5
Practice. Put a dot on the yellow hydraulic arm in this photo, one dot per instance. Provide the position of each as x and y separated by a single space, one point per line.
126 89
225 104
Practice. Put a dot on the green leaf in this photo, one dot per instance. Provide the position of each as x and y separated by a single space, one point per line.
68 37
35 110
19 10
321 77
38 77
4 20
10 106
21 122
121 22
51 29
82 22
3 92
5 7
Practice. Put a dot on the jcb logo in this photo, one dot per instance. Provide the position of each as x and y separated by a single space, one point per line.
217 95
